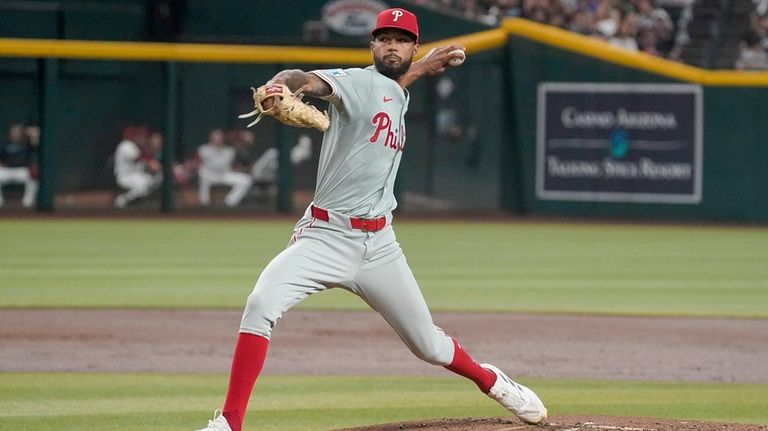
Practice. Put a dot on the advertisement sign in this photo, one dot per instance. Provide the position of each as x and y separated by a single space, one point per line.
352 17
619 142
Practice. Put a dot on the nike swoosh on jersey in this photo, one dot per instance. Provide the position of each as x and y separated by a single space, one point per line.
387 99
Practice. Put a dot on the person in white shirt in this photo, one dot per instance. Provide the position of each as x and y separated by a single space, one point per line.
625 36
17 161
135 171
752 55
216 159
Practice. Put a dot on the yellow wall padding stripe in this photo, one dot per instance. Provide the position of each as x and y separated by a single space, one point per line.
599 49
190 52
474 42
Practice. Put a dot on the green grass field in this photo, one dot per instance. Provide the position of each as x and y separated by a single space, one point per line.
138 402
704 271
531 267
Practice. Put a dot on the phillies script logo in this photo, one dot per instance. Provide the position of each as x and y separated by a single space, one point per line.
394 139
396 14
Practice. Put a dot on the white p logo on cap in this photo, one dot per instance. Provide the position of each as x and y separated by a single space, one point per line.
396 14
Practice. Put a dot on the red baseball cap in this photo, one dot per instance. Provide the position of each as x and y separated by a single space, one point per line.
397 18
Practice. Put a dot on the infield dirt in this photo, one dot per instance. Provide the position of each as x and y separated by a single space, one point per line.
361 343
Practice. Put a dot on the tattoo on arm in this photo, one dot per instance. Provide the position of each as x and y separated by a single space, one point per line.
316 87
294 79
309 83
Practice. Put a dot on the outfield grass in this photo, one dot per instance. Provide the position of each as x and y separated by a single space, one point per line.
706 271
128 402
653 270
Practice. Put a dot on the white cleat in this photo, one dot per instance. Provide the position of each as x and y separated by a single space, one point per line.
218 423
518 399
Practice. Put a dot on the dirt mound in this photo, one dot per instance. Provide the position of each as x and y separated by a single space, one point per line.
561 423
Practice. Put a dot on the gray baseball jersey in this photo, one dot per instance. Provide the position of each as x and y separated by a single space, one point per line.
358 163
363 146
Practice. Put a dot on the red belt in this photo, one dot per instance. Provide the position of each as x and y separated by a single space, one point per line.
363 224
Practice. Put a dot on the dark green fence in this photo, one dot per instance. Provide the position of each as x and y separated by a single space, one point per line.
95 100
472 135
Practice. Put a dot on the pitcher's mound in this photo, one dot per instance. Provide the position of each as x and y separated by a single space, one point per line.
561 423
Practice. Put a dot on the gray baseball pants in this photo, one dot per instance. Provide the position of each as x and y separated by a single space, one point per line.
323 255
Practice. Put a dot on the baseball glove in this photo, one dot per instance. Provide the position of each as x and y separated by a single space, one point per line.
287 108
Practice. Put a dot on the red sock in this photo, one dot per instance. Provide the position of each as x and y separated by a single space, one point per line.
464 365
247 363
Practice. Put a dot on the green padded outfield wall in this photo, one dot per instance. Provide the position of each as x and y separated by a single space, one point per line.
459 168
734 184
490 163
93 93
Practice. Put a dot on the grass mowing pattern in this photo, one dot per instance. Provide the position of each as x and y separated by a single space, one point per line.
504 267
706 271
36 402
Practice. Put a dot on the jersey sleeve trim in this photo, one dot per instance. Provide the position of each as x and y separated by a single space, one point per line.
334 91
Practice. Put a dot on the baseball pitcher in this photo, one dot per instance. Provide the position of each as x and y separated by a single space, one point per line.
345 238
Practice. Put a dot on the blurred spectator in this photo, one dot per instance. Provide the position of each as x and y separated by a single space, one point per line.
752 55
487 12
216 168
265 168
582 22
510 8
538 14
537 10
674 4
761 7
186 172
17 161
33 137
468 8
650 17
244 143
530 5
626 34
151 154
761 27
607 19
558 14
648 42
599 18
136 168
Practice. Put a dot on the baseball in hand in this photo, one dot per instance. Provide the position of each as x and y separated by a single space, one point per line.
458 57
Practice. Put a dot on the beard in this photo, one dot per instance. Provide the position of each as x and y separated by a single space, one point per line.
391 71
